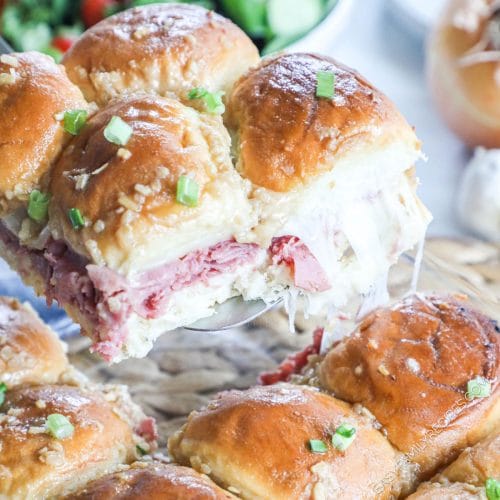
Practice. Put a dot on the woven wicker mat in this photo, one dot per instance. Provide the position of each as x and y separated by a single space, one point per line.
186 369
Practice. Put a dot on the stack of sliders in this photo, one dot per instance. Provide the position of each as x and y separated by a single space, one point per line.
408 403
165 169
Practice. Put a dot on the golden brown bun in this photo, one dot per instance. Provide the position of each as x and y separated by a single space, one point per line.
466 93
410 365
475 465
153 481
286 135
162 49
30 136
256 441
453 491
35 465
30 353
466 476
134 196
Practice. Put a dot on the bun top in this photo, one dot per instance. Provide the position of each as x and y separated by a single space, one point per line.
159 48
153 481
410 366
257 441
30 353
285 134
127 195
34 464
33 90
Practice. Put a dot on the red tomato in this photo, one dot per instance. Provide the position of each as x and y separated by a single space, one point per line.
62 43
94 11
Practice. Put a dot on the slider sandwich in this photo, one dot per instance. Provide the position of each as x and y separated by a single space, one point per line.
172 198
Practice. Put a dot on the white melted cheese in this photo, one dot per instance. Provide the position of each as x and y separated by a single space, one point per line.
356 220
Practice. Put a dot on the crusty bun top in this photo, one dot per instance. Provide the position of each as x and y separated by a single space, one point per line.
463 70
30 353
410 366
33 464
33 89
159 48
128 194
285 134
152 481
257 442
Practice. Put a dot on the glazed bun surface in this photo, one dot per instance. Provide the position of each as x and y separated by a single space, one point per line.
285 134
33 89
128 195
256 442
33 464
410 366
463 70
152 481
162 49
30 353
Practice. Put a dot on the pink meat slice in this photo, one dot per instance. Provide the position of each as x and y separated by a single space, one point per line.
305 268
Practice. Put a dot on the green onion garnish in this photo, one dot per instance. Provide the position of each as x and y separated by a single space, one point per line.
317 446
74 120
478 387
59 426
140 450
325 84
492 489
76 218
3 390
213 100
38 205
188 191
117 131
343 437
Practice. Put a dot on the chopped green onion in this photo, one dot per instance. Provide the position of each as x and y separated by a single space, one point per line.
38 205
74 120
343 437
478 387
117 131
3 390
318 446
492 489
188 191
59 426
325 84
76 218
140 450
213 100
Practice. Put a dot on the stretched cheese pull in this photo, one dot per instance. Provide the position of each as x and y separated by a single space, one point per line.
428 370
333 176
162 49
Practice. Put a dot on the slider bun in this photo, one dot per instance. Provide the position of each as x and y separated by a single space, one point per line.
453 491
467 95
475 465
256 441
36 465
30 353
153 481
410 365
285 134
162 49
134 196
30 137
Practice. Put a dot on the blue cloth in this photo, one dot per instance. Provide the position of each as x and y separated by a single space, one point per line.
12 286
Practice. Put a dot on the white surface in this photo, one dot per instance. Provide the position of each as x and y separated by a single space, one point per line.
422 14
391 56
